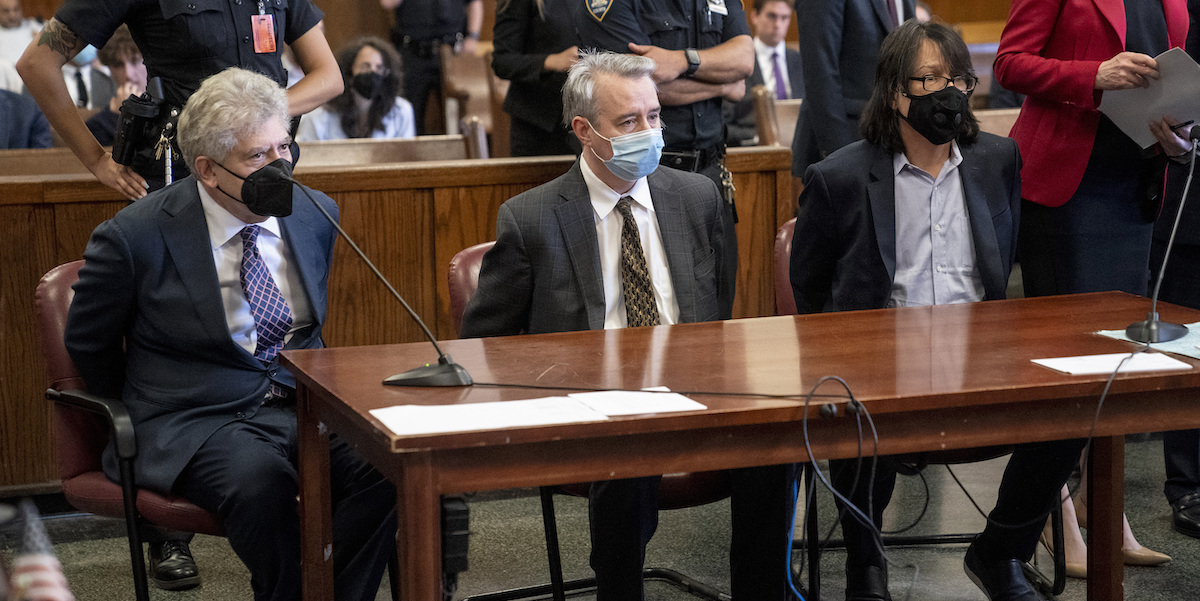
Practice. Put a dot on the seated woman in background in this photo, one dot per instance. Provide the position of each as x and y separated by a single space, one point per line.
370 106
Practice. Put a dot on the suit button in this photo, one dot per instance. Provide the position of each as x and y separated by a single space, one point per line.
271 372
246 39
241 414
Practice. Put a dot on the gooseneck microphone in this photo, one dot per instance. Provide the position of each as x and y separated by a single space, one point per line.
1152 329
445 372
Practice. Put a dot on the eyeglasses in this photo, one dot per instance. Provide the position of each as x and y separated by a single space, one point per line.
937 83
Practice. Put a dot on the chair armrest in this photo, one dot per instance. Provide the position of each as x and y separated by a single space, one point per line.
113 411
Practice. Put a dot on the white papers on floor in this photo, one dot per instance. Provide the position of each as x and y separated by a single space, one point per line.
413 420
1106 364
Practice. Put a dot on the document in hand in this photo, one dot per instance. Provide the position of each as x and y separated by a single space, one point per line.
1175 94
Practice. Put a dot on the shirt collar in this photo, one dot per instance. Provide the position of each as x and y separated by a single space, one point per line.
899 161
223 225
604 199
765 51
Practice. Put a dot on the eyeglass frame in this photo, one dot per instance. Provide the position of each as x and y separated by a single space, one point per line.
969 81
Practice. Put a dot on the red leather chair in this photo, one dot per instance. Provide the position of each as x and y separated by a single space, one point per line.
785 304
677 491
83 425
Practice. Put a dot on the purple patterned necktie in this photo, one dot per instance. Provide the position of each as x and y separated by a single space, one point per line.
893 13
272 316
780 85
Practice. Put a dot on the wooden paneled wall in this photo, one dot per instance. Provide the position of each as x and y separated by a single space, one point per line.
410 218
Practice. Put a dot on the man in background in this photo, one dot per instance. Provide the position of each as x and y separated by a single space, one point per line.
15 30
776 66
22 124
124 61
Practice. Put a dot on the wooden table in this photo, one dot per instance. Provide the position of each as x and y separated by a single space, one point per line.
932 378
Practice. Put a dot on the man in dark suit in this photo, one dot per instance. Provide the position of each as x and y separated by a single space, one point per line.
23 125
923 211
776 66
184 302
620 242
839 40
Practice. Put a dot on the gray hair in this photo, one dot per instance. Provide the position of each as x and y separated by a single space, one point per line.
579 93
227 106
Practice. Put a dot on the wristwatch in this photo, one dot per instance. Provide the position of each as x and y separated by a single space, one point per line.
693 59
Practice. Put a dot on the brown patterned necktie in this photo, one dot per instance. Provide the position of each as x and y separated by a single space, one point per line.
640 308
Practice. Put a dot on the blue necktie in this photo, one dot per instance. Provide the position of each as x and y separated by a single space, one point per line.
272 316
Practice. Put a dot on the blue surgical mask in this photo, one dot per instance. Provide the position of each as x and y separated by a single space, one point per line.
635 155
85 56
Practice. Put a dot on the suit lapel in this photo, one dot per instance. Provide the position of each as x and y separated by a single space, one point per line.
578 226
881 193
300 234
1176 12
185 236
1114 13
673 227
979 213
879 7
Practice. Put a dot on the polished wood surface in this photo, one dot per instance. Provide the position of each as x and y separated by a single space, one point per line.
409 217
932 378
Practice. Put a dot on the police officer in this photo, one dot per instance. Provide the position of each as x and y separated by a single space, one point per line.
182 42
422 28
704 53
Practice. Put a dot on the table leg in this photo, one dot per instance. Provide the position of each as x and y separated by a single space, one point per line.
1106 506
316 507
419 541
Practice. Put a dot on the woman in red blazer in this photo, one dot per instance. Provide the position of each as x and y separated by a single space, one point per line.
1083 227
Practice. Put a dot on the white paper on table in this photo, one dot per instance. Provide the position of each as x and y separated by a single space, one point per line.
631 402
1105 364
409 420
1176 93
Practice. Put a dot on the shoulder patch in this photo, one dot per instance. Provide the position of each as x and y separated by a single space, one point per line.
598 8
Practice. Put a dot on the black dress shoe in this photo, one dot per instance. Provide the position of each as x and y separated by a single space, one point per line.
1187 514
867 583
999 580
172 567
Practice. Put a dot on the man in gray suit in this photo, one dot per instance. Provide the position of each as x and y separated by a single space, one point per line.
620 242
839 40
185 300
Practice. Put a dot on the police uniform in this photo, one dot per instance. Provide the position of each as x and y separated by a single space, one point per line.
422 28
694 133
185 41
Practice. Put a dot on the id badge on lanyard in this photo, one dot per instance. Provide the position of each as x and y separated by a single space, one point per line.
263 27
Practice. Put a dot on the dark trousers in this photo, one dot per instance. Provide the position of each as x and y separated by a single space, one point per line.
527 139
246 473
422 75
853 479
624 515
1181 285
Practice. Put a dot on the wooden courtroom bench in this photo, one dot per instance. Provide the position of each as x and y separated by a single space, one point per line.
409 217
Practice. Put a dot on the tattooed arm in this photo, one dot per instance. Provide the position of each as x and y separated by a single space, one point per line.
41 68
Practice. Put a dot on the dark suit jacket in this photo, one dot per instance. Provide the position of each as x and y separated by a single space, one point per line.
23 125
543 274
147 324
522 40
844 248
839 40
739 116
1050 51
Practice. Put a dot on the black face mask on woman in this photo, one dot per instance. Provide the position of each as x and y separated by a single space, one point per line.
938 116
265 192
368 84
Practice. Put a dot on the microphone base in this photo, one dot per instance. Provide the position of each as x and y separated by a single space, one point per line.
1153 330
445 373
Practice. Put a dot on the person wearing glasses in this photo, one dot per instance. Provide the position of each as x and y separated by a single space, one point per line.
370 106
923 211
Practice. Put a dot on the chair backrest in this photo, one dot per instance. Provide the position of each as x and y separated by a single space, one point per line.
787 113
764 116
476 135
501 123
464 279
997 121
785 301
80 436
464 79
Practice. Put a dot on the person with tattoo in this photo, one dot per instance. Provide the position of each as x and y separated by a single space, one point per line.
182 45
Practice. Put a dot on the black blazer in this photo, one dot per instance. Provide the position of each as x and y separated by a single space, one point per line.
522 40
844 248
739 116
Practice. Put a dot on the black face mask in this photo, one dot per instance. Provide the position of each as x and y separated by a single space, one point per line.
367 84
265 192
937 116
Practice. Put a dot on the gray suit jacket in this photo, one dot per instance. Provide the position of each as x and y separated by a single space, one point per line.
844 247
839 40
739 116
543 274
147 324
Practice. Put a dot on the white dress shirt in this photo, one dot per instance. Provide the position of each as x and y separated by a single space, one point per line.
764 54
324 124
223 233
935 252
608 235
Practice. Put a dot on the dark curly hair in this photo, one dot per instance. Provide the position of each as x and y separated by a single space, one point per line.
344 104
